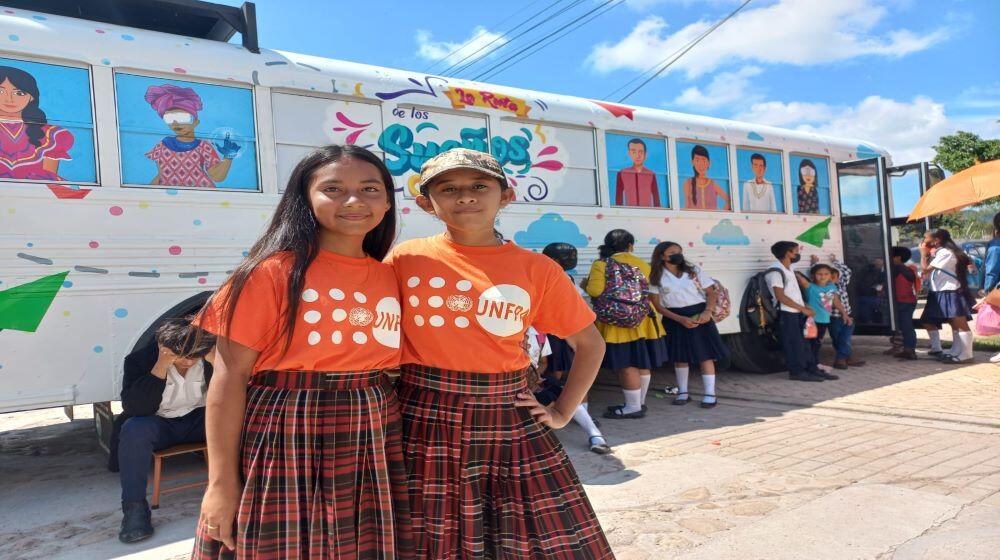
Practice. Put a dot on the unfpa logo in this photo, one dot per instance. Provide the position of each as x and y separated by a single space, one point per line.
502 309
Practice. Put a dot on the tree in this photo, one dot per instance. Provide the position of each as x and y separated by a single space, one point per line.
961 150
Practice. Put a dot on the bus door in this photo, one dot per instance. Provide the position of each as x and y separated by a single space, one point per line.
874 203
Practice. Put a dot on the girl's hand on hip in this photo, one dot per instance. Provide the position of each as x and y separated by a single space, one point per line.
548 415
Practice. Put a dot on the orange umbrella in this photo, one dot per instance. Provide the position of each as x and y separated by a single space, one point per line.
965 188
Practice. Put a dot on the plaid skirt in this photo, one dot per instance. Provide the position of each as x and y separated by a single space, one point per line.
487 481
322 462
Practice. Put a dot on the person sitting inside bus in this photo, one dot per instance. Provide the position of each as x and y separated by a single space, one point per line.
163 398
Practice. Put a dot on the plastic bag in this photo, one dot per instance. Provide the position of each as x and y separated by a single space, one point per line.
810 331
988 321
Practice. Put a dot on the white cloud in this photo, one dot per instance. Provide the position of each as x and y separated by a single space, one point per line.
429 49
726 88
797 32
908 129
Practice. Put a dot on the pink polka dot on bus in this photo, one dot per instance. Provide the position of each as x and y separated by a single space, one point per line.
406 210
94 244
174 250
599 216
101 31
116 210
180 70
769 221
202 280
690 243
666 220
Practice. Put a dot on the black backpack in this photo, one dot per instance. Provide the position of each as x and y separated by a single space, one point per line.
758 309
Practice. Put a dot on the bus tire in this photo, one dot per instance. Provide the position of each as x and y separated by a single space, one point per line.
755 354
182 309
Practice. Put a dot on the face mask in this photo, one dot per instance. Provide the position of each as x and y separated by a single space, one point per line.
796 258
676 259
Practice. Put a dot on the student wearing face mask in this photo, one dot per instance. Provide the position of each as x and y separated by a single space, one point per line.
784 287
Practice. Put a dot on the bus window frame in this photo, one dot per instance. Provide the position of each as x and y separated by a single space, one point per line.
198 80
280 188
830 165
670 165
730 174
597 159
89 68
782 157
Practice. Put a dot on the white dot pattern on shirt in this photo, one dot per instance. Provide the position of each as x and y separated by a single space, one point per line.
461 322
337 337
314 338
360 298
414 301
435 301
339 315
312 316
337 294
463 285
360 337
413 282
436 282
419 320
436 320
310 295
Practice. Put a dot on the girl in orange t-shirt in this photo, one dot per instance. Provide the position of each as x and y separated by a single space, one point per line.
307 324
488 479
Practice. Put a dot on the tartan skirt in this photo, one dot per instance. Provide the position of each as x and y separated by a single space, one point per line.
322 464
487 481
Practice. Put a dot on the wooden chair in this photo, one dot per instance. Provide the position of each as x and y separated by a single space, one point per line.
158 457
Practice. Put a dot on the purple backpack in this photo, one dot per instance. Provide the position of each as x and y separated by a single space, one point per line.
623 301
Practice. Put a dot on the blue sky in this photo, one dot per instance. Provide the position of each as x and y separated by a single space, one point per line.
899 73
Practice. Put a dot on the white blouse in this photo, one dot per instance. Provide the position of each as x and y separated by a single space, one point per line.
683 291
183 393
944 271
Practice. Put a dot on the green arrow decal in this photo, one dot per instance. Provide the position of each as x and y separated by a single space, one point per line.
23 307
816 234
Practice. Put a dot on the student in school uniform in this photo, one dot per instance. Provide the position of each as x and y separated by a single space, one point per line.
304 432
946 267
633 352
685 296
488 478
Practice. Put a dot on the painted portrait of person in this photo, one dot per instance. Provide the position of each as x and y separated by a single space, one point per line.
702 192
183 160
636 185
758 193
807 191
30 147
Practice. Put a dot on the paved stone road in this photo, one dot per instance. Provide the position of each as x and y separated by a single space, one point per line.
897 460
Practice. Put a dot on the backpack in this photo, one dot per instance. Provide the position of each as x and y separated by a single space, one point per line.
759 308
623 301
723 304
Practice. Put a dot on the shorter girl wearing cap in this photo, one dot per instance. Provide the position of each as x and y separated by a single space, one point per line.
488 478
183 160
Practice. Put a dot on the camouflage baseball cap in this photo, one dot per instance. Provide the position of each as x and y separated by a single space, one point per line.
459 158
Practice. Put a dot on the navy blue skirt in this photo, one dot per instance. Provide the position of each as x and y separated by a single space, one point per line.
643 354
562 355
944 306
693 346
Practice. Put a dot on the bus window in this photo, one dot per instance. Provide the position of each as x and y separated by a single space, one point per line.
637 171
548 164
761 183
48 124
703 170
810 184
178 133
302 123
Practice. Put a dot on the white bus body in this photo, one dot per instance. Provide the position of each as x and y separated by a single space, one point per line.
134 251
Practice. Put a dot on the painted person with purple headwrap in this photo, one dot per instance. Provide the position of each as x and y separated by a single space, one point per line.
183 160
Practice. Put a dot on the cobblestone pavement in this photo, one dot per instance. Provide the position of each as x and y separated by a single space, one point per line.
897 460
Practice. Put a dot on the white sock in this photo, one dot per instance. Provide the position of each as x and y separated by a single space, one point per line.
709 381
966 338
633 400
644 383
585 405
935 337
682 379
582 417
957 345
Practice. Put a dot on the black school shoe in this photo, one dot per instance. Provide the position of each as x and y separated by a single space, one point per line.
806 377
136 523
825 375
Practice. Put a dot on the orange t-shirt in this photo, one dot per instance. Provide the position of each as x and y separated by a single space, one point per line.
467 308
348 316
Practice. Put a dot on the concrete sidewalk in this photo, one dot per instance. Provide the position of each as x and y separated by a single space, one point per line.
896 460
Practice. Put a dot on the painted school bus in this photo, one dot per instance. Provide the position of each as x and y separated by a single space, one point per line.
137 167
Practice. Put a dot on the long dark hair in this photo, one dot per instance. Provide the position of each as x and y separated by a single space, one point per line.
996 224
616 241
656 262
943 237
294 229
809 163
32 115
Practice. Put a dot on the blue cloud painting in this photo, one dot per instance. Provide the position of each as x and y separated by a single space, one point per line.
755 136
725 233
550 228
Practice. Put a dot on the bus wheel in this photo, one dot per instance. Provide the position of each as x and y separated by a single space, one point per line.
753 353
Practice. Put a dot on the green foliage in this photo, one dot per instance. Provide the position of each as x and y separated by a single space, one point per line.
962 150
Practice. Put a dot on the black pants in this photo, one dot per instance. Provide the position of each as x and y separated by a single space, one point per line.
141 435
797 354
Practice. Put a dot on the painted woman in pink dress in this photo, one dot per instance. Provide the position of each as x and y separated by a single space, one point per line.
30 148
183 160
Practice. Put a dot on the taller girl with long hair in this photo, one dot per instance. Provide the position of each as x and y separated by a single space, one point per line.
948 301
488 478
303 426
